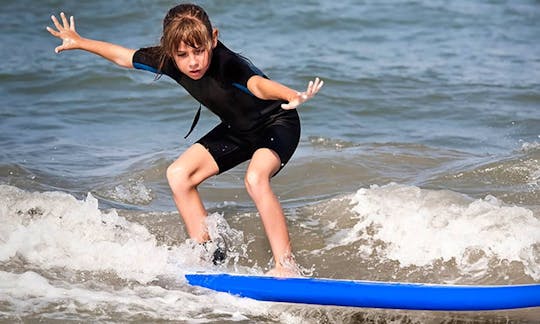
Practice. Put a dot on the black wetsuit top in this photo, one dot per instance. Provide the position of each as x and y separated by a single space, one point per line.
247 122
223 88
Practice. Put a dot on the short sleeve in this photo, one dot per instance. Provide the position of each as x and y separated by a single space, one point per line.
239 70
147 59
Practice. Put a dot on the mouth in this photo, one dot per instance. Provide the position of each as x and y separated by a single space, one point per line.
195 72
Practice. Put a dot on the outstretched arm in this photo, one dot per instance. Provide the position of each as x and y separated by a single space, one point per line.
267 89
72 40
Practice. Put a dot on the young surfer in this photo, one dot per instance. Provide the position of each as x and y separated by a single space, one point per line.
259 121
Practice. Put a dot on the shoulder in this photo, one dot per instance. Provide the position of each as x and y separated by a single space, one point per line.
152 59
235 65
226 57
147 59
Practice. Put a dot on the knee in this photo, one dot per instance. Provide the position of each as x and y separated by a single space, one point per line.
179 178
255 182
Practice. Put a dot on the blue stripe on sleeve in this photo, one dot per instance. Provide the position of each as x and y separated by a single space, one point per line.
145 67
243 88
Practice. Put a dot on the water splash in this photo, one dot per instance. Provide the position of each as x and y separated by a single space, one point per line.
418 227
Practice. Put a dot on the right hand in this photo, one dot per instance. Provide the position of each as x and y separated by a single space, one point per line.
66 32
301 97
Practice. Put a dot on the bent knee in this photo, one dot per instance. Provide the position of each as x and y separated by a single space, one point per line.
179 177
256 180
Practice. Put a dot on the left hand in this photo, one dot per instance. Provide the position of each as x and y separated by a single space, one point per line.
66 32
301 97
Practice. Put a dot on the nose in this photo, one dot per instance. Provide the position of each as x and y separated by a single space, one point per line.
193 63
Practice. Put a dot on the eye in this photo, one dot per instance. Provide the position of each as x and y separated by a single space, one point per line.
199 51
181 54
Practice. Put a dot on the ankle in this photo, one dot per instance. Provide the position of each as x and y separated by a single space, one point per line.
219 254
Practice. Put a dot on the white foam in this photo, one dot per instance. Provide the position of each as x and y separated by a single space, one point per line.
30 293
418 226
133 192
533 173
528 147
54 229
57 235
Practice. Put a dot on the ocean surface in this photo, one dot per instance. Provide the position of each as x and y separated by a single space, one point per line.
419 159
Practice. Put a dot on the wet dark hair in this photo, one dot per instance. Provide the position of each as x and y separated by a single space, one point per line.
187 23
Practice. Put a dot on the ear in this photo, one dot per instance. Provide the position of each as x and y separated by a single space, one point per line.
215 33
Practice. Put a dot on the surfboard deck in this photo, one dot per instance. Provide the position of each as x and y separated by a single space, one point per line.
372 294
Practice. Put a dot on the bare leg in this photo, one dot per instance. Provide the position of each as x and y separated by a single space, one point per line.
194 166
263 165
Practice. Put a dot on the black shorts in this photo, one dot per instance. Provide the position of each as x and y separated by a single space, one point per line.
229 147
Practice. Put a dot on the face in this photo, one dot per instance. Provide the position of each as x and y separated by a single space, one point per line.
193 61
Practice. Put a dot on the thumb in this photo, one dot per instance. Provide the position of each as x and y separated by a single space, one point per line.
289 105
60 48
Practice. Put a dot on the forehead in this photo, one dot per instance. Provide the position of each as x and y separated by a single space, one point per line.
183 47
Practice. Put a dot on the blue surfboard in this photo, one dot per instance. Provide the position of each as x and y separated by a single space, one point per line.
372 294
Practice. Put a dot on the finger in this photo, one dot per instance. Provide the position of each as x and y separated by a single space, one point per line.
317 86
64 20
72 23
316 83
56 22
309 87
288 106
320 85
307 93
58 49
52 31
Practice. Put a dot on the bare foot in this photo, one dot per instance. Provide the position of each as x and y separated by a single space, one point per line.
283 273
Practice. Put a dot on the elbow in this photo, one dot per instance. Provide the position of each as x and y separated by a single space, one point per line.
125 59
125 64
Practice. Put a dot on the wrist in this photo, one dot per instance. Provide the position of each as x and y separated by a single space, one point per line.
82 43
292 95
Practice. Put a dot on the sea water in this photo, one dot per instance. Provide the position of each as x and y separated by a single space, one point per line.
419 159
